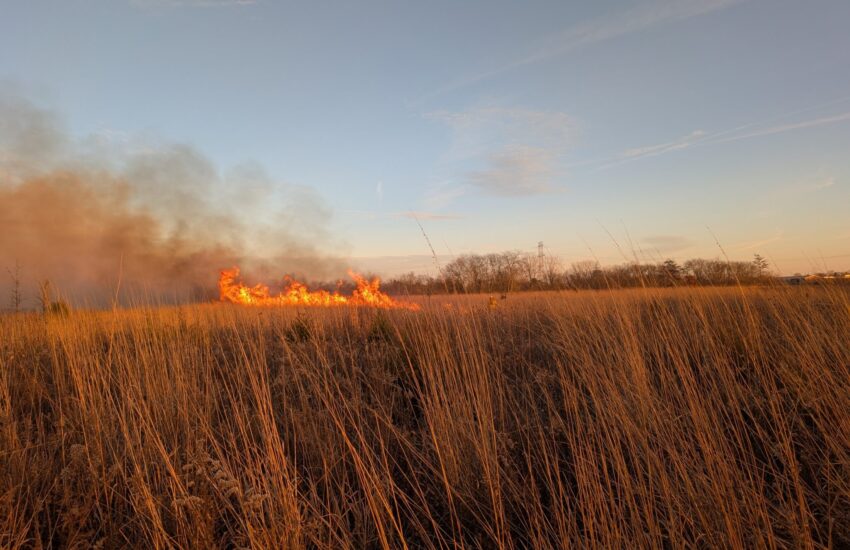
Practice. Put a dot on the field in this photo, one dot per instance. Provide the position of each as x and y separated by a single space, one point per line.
701 417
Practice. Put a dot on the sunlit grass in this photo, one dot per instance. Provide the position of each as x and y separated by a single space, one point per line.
643 418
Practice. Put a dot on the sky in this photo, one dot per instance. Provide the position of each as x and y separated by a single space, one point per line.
609 129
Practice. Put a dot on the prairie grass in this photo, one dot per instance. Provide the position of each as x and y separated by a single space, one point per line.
642 418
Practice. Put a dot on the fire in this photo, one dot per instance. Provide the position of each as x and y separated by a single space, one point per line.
367 293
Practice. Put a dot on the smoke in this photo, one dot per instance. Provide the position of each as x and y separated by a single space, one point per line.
148 221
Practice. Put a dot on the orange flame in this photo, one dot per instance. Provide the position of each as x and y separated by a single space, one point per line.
367 293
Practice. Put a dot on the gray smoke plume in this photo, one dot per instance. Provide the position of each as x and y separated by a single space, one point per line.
154 221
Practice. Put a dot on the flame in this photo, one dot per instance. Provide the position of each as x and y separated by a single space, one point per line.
367 293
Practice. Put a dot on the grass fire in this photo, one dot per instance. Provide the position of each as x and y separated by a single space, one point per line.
367 293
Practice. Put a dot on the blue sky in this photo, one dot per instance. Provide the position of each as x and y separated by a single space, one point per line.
499 124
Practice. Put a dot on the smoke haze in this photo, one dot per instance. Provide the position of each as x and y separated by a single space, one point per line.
157 219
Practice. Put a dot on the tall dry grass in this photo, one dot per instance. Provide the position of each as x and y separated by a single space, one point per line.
647 418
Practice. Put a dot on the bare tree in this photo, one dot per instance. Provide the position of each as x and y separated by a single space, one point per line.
552 271
582 273
528 268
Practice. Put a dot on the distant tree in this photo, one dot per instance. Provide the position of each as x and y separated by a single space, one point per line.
514 271
582 273
698 269
528 268
552 271
760 264
671 271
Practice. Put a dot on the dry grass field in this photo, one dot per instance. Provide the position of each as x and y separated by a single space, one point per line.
698 417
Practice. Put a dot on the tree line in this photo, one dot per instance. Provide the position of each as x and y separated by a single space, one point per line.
515 271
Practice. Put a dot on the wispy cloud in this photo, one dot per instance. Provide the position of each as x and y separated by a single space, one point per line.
193 3
782 128
783 197
639 18
667 243
823 183
699 137
406 214
636 153
431 216
752 245
660 149
444 193
512 151
516 171
479 129
608 27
